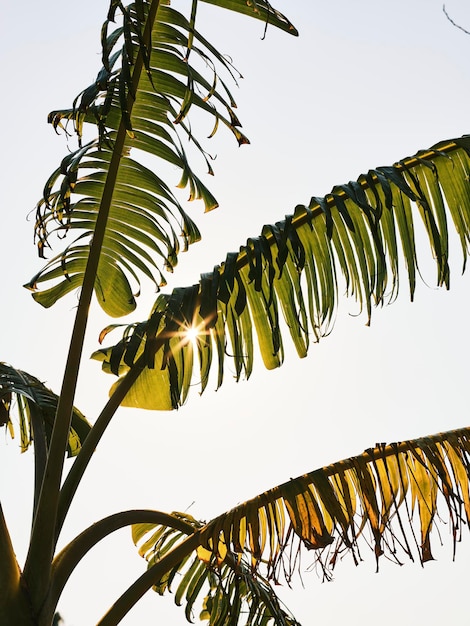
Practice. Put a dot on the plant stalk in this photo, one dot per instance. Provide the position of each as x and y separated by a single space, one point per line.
89 445
15 607
66 561
43 537
134 593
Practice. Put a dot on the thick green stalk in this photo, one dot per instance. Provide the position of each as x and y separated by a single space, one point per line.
66 561
40 451
94 436
15 609
43 537
89 445
37 568
134 593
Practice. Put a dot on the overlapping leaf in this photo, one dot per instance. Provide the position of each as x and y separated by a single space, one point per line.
227 590
156 66
363 232
385 500
34 405
377 496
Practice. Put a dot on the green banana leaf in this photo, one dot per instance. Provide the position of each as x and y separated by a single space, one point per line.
26 400
384 500
357 239
156 68
226 589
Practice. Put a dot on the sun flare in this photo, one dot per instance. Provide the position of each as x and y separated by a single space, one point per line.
192 333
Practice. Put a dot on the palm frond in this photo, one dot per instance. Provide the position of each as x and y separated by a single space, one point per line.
226 589
35 406
387 497
156 68
389 500
363 231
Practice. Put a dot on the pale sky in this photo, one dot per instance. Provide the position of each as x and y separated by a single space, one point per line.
365 84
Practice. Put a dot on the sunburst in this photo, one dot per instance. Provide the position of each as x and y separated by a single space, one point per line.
192 333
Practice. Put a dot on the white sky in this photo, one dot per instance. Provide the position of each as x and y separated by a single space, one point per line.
366 84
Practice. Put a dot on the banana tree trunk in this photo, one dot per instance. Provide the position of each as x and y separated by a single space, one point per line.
15 606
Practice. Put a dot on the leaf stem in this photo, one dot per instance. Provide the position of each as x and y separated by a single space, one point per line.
37 568
66 561
43 537
89 445
40 451
134 593
14 607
